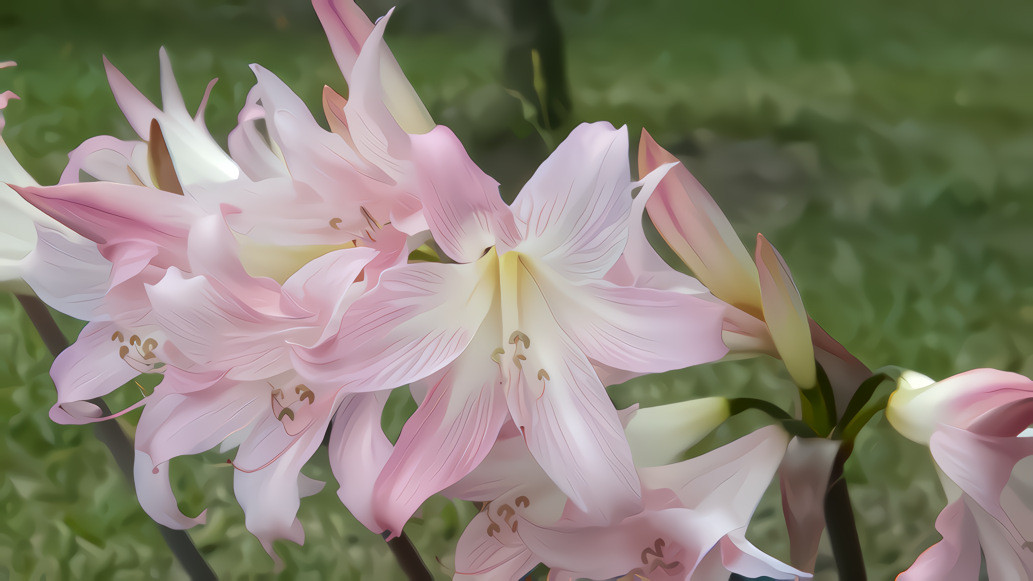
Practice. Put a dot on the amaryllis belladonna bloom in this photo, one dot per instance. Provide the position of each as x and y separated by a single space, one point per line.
511 330
692 524
976 425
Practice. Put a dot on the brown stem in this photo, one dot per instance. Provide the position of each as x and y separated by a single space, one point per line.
408 559
115 439
840 522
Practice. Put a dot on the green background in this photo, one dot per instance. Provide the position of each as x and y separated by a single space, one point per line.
883 147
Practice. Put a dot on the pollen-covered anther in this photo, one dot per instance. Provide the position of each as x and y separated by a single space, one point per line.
543 375
517 359
285 412
519 336
497 354
305 393
335 223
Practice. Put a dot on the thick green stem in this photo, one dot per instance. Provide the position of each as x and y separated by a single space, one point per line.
116 441
840 522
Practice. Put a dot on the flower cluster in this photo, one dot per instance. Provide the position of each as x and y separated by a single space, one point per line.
283 288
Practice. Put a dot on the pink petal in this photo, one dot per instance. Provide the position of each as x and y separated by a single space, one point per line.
574 210
740 556
480 555
89 368
957 556
418 319
804 478
109 214
461 203
137 108
729 480
981 466
250 147
177 424
574 551
106 158
1006 555
346 27
217 330
696 229
155 494
351 34
640 265
196 155
358 451
784 314
451 432
268 482
67 273
569 423
376 134
324 286
638 329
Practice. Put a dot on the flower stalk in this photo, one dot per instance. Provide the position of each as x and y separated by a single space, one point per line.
840 522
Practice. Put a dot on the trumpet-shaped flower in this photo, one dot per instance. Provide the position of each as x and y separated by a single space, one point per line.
768 314
692 522
976 425
512 329
221 264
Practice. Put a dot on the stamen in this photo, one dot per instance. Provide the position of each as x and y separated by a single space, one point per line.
334 222
118 336
148 347
497 354
306 393
520 336
543 375
370 219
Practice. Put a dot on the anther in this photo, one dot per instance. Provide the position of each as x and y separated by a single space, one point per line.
497 354
306 393
520 336
543 375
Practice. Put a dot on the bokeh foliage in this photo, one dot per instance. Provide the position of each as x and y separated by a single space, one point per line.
883 147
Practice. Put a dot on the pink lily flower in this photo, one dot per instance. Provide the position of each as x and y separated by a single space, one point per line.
976 425
221 264
768 315
512 329
692 523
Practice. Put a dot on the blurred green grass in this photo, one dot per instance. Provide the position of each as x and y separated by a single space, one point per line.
883 147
